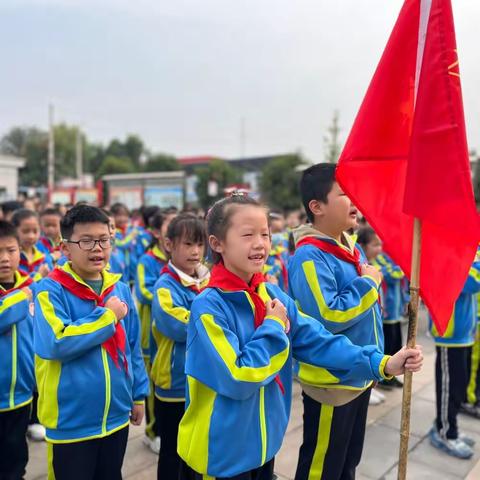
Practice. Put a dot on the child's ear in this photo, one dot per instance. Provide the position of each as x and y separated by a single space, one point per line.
215 244
168 244
316 207
65 250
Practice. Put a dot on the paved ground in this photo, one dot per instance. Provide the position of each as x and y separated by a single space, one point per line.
381 448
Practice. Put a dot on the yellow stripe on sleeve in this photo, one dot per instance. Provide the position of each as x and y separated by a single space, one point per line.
337 316
61 330
229 357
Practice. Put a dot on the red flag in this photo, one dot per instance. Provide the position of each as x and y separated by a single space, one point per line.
407 156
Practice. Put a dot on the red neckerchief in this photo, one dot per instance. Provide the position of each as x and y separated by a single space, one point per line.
30 267
49 245
166 269
25 283
335 250
278 256
118 340
123 230
228 281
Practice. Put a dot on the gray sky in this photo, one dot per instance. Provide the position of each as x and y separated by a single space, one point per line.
183 73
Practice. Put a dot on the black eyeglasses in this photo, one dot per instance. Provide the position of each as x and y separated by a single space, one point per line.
88 245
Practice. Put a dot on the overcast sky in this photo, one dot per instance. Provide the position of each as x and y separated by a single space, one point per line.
183 73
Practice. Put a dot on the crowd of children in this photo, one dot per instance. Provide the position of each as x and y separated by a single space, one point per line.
201 325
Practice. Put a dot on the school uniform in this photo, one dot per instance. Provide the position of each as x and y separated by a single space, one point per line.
16 376
30 267
47 245
174 293
453 348
326 282
89 371
239 374
125 242
392 302
148 271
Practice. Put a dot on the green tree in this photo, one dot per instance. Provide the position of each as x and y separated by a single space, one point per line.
134 149
93 156
279 182
218 171
65 150
161 163
112 164
30 143
331 140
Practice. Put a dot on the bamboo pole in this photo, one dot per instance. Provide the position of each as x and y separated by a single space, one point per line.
411 341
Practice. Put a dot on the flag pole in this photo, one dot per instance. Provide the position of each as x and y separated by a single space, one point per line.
411 341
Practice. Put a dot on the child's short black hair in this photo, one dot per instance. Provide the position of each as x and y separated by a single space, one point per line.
23 214
188 226
7 230
10 206
81 214
148 213
50 211
119 208
365 236
316 183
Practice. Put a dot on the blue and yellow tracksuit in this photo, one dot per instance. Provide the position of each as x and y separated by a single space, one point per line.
16 349
125 241
393 300
82 393
461 328
116 264
236 414
148 272
276 266
331 291
170 314
39 259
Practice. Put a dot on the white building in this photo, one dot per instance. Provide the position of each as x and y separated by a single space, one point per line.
9 167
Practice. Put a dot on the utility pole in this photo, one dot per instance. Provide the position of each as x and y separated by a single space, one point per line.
79 154
51 152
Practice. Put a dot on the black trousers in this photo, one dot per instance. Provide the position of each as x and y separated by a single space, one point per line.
33 410
265 472
473 371
13 443
451 383
393 337
97 459
332 439
168 416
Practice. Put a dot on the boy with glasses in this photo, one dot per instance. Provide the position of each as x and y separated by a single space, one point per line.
89 366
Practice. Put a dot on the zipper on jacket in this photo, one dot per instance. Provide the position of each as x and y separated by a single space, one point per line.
107 390
263 425
14 367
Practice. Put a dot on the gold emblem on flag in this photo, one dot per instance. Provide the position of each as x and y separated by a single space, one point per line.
454 68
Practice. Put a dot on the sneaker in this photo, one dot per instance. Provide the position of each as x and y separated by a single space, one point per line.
152 443
470 410
374 399
466 439
36 432
456 448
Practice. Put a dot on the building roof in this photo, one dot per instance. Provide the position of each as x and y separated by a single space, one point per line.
11 161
